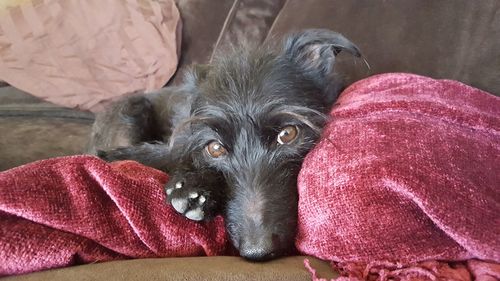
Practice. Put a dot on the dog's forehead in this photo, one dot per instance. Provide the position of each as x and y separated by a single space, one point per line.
253 93
250 74
247 90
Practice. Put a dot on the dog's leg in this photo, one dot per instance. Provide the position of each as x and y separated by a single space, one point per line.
127 122
155 154
198 194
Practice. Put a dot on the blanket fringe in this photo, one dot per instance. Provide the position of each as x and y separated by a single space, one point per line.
389 271
431 270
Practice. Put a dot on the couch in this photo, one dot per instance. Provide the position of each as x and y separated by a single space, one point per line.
457 40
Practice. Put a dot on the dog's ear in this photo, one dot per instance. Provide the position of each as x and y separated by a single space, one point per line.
314 51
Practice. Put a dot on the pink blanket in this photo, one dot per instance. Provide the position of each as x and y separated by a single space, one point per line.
408 170
404 184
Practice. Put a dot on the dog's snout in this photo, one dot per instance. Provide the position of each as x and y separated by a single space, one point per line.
261 219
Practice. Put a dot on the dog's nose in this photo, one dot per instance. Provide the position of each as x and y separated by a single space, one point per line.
258 249
257 253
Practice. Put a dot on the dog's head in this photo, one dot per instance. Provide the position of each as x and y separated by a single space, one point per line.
255 114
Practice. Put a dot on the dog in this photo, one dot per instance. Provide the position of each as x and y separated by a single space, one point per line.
233 136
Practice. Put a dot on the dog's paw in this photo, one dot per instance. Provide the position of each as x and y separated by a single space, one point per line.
194 203
196 193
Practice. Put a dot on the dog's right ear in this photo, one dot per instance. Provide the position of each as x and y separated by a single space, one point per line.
314 51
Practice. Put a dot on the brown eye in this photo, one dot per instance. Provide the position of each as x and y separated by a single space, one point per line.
215 149
288 134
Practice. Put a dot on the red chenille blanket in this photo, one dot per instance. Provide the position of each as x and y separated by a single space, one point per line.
408 170
74 210
404 182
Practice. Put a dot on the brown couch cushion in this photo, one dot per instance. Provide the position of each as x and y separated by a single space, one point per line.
207 29
249 21
199 268
435 38
201 26
33 129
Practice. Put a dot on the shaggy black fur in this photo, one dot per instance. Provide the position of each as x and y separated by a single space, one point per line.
243 101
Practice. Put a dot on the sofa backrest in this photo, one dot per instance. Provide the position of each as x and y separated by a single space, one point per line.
457 40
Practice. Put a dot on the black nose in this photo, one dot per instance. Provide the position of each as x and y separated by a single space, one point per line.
261 247
257 253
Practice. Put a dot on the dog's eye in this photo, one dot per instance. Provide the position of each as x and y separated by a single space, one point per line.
288 134
215 149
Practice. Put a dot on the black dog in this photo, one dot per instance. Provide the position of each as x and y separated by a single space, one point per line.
233 137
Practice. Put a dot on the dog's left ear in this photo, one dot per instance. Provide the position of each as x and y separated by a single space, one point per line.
314 51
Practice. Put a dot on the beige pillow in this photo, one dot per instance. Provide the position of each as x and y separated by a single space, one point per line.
82 54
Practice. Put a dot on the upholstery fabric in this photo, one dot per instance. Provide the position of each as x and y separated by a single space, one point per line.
186 269
33 129
432 38
202 22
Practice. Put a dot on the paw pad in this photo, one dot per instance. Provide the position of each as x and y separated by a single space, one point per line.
179 204
187 202
178 185
196 214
